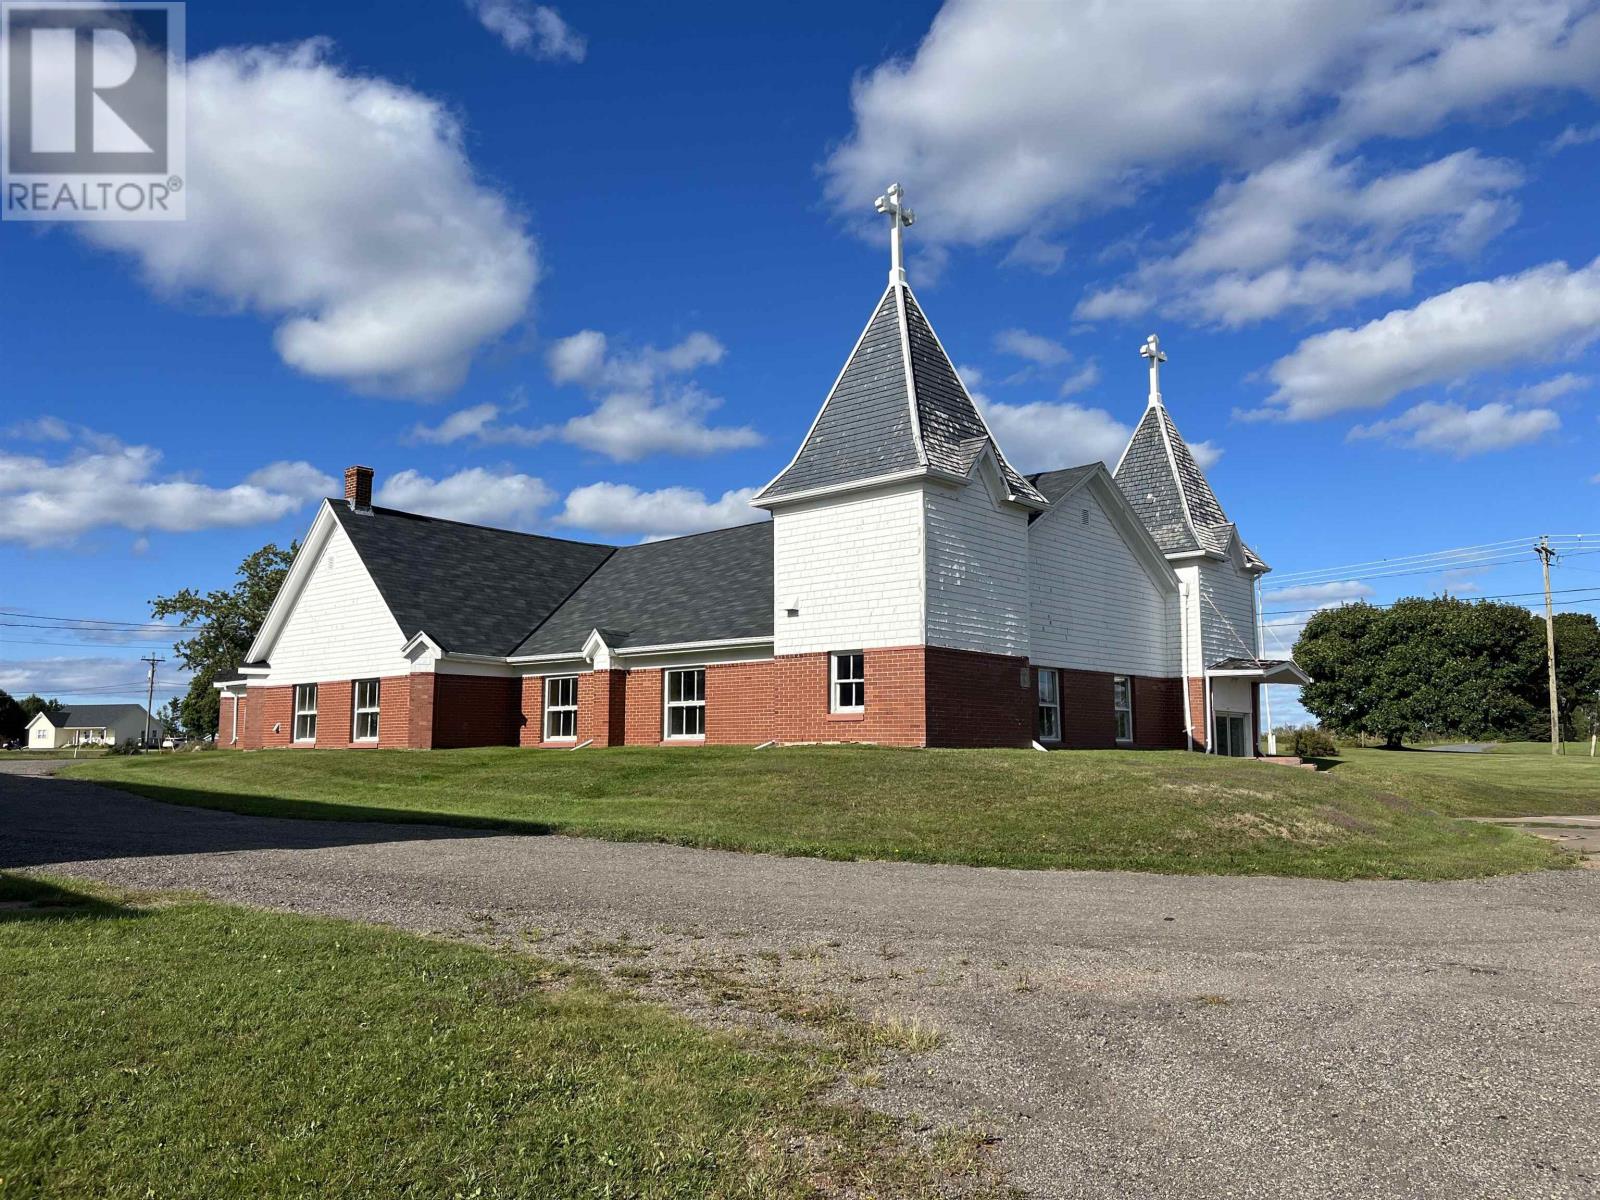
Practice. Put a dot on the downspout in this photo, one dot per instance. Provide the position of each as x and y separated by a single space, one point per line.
1183 664
234 740
1211 721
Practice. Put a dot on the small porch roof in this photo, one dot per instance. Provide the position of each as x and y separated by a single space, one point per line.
1259 670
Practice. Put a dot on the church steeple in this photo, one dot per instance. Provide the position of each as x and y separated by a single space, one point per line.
1159 475
898 409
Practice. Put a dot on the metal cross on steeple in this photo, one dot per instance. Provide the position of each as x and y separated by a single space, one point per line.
892 205
1153 351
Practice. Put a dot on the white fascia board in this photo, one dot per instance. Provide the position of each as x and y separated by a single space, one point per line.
527 660
421 641
992 455
40 716
900 289
756 501
693 647
224 685
858 485
294 583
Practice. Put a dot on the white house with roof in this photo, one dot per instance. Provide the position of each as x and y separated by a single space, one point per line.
911 588
90 725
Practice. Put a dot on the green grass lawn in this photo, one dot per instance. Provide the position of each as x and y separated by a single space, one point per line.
1517 779
35 755
1169 812
180 1049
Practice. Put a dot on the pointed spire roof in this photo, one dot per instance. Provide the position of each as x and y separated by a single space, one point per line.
1166 487
898 408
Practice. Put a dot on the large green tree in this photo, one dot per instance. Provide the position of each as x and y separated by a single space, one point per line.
1577 670
12 719
1427 668
33 704
221 625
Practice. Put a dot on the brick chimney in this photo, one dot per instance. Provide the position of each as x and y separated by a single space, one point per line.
358 488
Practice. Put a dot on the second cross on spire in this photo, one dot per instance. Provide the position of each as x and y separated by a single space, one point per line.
892 205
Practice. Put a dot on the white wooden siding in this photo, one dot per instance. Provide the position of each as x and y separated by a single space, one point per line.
1230 695
1227 611
854 566
339 627
1094 606
977 570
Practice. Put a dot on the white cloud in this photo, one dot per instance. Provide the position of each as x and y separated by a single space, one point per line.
1036 253
641 408
344 207
1082 379
1032 346
1206 454
972 121
102 483
1463 432
89 680
1573 136
1317 232
482 424
1317 593
1113 303
1540 314
532 29
618 508
1044 437
478 496
1552 389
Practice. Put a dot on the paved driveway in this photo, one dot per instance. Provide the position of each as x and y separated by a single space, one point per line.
1125 1035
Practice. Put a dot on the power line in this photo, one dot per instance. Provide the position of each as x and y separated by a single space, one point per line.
17 612
1461 556
1285 612
16 641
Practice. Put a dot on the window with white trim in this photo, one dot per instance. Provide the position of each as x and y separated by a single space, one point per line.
1049 704
1122 704
366 711
305 712
847 690
686 703
561 708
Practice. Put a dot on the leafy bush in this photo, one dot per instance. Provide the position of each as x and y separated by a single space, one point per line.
1308 741
129 746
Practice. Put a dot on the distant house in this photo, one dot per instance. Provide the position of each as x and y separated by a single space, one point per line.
89 725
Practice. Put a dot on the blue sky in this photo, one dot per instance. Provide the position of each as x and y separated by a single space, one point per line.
590 271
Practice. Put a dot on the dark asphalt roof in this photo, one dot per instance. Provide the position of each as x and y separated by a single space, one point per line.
95 716
689 589
865 428
473 589
1053 485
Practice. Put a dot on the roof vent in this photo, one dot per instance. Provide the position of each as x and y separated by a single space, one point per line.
358 489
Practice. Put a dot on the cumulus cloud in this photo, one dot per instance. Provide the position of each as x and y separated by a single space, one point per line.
642 406
1572 135
481 423
1082 379
619 508
1461 431
1043 437
532 29
1552 389
356 222
1539 314
1316 232
971 122
478 496
103 483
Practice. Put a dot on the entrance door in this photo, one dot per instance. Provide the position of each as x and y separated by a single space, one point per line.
1233 740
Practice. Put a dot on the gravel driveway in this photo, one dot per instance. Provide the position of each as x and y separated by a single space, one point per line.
1123 1035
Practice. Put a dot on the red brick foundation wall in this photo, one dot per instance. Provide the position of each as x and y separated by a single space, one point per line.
739 703
1089 722
475 710
1157 713
602 704
264 707
530 717
643 714
419 712
979 699
1197 713
896 708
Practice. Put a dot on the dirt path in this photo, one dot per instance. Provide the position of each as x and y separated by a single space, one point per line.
1124 1035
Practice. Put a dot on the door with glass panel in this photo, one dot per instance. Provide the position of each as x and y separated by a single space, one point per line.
1232 735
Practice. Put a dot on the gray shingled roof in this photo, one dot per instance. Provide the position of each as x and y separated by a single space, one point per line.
865 430
474 590
1171 494
1053 485
98 716
691 589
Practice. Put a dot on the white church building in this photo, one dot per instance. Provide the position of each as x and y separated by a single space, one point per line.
911 589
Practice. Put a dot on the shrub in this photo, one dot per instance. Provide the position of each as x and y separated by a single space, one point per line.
1309 741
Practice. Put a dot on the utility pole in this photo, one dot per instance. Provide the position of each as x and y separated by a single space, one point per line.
1545 554
151 698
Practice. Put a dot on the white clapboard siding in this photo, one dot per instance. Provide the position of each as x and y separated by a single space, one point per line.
853 566
1227 611
1095 607
977 570
339 627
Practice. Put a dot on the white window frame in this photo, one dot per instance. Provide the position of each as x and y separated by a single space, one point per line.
359 710
838 682
1053 704
669 705
301 711
553 709
1118 709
